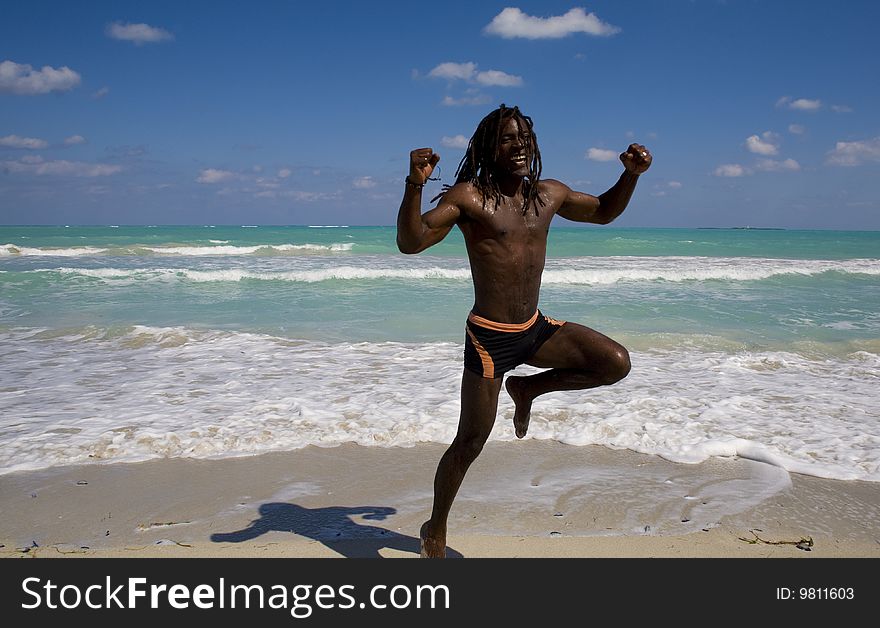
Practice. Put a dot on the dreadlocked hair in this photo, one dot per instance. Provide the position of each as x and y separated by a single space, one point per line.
482 152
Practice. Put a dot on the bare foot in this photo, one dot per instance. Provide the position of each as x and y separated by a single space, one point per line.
523 403
431 547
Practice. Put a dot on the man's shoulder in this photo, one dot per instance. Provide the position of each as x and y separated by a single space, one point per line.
463 188
551 185
462 195
553 191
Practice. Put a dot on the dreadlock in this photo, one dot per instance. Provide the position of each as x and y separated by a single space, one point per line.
482 152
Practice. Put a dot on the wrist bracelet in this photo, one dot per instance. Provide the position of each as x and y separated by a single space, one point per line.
415 185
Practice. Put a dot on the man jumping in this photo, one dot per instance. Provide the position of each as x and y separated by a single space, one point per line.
503 208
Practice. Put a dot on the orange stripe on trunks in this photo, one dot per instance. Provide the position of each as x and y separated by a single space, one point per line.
511 327
485 358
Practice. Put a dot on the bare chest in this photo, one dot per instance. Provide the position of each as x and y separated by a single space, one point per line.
507 227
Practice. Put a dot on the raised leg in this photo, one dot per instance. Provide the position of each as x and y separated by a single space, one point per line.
578 358
479 403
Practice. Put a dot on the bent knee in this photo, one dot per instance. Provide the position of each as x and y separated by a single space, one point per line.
618 366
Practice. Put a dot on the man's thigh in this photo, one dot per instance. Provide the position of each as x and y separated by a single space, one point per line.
578 347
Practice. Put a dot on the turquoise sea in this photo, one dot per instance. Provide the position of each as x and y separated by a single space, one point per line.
128 343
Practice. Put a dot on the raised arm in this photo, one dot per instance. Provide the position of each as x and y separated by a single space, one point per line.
606 207
417 231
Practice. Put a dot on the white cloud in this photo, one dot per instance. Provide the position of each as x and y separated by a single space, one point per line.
21 78
213 175
771 165
764 145
468 72
38 166
479 99
454 71
14 141
601 154
74 140
284 173
512 23
364 183
309 197
855 153
796 129
799 104
279 194
456 141
841 108
804 104
138 34
98 95
730 170
662 189
497 77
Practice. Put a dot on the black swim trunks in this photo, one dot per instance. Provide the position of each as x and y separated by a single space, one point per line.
491 349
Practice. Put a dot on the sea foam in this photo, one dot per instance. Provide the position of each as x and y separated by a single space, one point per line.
135 393
217 247
575 271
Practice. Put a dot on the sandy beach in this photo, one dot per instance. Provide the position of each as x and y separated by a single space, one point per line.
524 499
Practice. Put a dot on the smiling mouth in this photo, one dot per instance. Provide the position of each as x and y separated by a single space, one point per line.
520 160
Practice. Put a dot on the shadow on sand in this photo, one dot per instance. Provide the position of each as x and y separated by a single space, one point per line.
332 526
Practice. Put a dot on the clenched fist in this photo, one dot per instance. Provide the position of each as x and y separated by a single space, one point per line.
421 165
636 159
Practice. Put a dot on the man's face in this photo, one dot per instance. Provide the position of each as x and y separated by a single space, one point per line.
514 149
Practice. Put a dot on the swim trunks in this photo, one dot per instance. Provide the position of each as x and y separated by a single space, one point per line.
491 349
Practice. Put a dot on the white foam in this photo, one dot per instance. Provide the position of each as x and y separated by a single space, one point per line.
137 393
14 249
217 248
573 271
610 270
237 274
248 250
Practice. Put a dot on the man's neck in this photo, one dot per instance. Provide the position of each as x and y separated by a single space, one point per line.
510 185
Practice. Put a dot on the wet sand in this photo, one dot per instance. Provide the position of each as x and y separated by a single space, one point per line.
524 499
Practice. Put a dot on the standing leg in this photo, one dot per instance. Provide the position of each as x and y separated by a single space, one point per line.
479 403
578 358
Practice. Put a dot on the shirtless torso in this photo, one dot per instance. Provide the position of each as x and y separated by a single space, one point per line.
506 240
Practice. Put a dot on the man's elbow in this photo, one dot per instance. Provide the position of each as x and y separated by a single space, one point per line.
409 248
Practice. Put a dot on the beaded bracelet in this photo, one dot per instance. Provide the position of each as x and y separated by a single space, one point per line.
415 185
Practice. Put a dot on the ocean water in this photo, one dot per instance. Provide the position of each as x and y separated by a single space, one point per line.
131 343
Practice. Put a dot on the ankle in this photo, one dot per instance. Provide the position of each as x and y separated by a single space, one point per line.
433 531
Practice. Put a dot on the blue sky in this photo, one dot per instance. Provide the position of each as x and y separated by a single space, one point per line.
758 113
